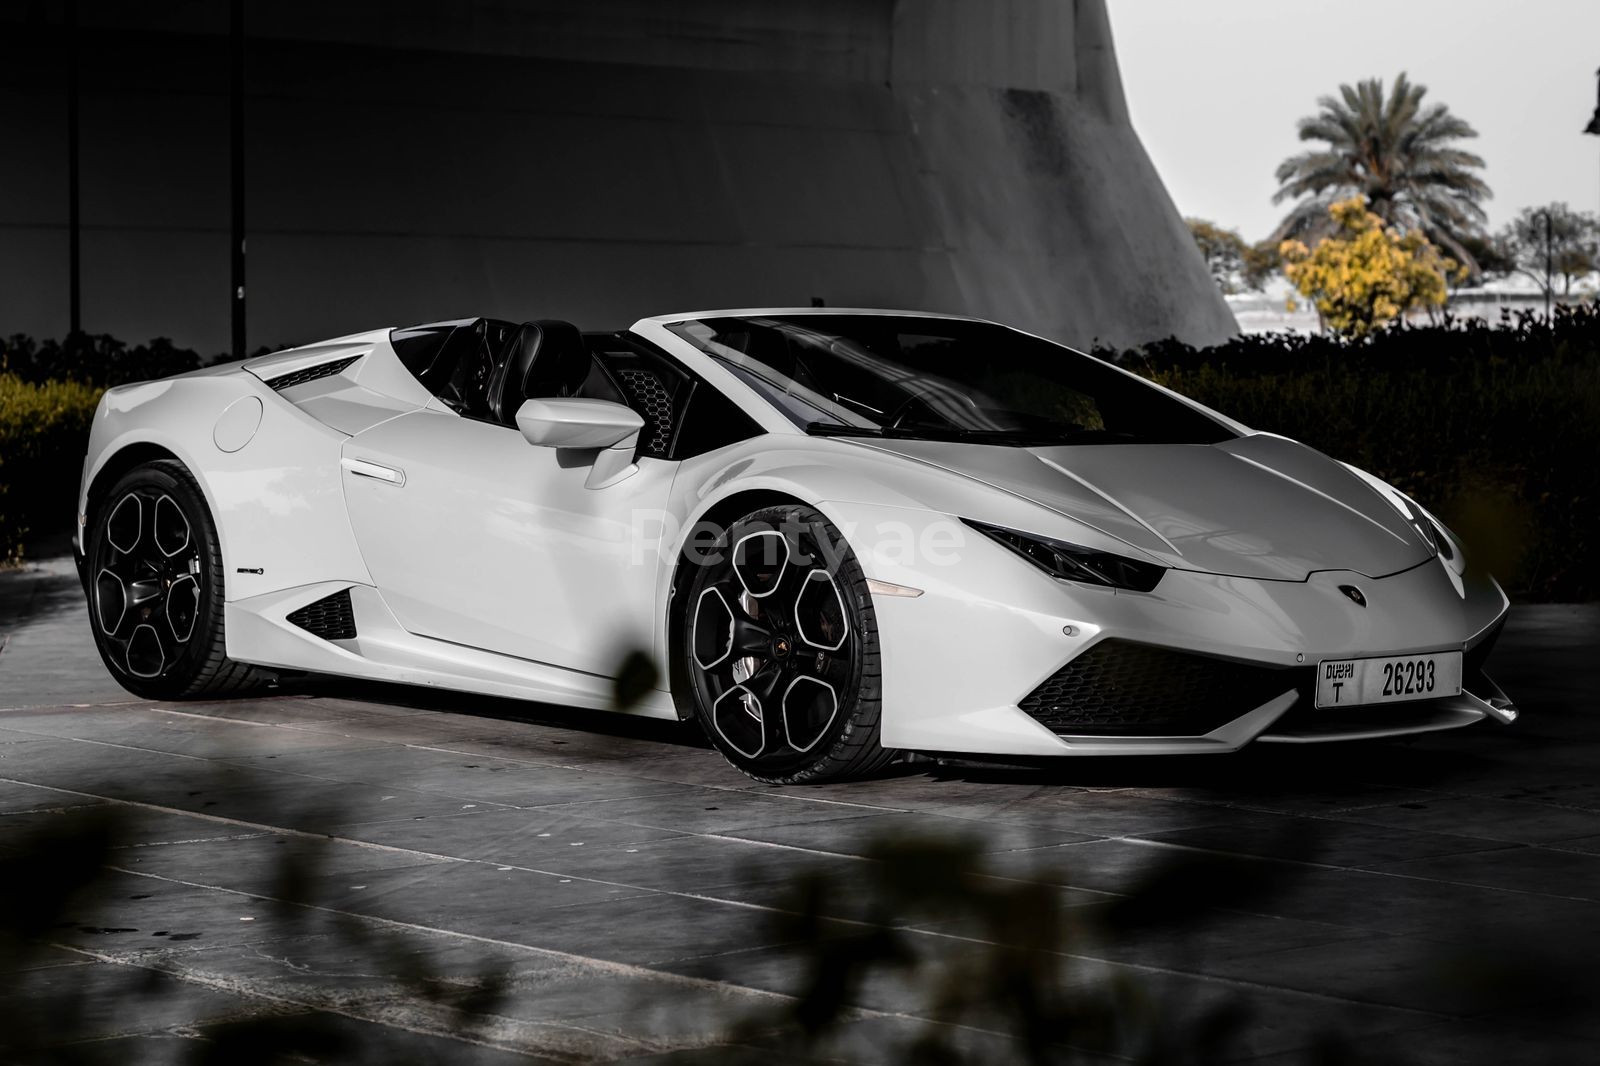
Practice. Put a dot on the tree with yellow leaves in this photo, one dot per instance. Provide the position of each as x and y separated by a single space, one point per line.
1367 274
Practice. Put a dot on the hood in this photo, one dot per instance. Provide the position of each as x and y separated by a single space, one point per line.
1258 506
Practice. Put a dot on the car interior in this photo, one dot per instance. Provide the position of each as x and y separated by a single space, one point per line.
486 368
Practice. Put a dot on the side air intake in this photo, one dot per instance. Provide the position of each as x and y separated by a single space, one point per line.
310 373
330 618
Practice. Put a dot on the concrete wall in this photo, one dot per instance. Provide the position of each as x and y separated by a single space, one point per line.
597 160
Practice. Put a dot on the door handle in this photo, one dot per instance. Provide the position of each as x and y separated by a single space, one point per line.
375 471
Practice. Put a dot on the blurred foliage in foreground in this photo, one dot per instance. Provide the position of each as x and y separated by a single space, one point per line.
922 949
65 884
934 953
1494 427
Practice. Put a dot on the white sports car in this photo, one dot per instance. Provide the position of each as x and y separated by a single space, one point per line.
846 534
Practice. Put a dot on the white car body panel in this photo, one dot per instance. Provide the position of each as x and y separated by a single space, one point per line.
480 562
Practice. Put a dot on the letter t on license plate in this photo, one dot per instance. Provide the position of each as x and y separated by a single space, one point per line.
1359 682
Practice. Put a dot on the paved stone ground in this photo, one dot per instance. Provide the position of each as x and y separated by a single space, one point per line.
349 857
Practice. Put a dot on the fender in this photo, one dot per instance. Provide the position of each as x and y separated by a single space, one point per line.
287 469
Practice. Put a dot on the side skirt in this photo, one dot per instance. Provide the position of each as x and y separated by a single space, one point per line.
258 632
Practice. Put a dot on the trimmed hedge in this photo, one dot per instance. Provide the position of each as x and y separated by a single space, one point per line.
48 393
94 358
43 429
1494 427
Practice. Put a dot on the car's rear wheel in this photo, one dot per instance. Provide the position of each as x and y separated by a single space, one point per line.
155 585
779 655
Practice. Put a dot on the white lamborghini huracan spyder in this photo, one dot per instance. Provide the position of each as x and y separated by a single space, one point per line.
844 533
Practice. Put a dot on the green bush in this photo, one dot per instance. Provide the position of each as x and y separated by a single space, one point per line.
48 392
1496 428
44 429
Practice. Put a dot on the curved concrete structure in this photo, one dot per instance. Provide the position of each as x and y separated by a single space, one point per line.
596 160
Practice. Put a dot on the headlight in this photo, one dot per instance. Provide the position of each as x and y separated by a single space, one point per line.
1072 562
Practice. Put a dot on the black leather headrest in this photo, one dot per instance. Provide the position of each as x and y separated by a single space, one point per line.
545 358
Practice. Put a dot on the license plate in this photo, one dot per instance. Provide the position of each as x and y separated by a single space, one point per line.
1358 682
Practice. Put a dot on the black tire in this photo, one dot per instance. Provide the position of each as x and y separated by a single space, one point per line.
802 637
157 616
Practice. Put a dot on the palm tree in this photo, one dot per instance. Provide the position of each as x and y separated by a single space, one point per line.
1397 153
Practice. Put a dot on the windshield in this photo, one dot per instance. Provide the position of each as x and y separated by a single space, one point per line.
941 379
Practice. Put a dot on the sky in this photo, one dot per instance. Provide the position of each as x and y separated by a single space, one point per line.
1215 88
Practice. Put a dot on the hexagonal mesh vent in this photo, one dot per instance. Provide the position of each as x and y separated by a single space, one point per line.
655 404
310 373
1120 688
330 618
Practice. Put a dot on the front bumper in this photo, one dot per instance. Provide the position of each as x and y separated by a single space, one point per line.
960 660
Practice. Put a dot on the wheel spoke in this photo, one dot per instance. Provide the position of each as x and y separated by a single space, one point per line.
808 706
146 653
143 590
750 638
819 613
169 528
767 682
183 607
741 720
110 602
759 559
125 524
712 629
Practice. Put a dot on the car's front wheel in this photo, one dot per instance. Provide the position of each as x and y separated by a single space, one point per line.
779 654
154 579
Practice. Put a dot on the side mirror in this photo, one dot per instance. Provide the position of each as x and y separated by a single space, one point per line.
585 425
578 423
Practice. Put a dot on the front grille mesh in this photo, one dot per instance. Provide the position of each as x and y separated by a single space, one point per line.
310 373
1122 688
330 618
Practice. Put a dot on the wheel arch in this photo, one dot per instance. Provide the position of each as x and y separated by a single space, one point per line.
123 460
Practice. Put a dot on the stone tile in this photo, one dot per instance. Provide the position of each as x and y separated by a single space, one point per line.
1098 814
860 834
22 799
127 915
644 930
1464 1043
1328 840
539 837
719 810
85 1003
1534 870
1511 822
1398 971
264 864
485 900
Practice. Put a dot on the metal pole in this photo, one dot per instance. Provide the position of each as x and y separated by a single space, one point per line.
1547 280
1594 123
74 260
236 170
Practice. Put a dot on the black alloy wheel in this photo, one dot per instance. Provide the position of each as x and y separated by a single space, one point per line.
154 581
780 650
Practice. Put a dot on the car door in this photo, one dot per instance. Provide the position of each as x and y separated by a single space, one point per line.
477 537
